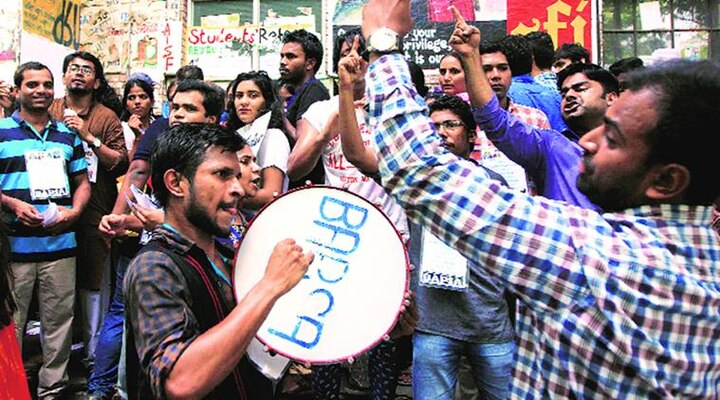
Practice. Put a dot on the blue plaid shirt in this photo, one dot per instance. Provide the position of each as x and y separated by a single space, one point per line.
613 305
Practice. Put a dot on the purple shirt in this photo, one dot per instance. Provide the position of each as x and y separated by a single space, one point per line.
547 156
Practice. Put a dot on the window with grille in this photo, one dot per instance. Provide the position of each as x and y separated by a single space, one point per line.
642 28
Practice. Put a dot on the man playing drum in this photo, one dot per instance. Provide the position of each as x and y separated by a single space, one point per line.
187 331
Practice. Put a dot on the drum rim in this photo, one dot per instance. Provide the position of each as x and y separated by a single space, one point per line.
401 308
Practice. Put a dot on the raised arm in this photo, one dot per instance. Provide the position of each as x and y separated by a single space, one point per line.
351 70
310 143
212 356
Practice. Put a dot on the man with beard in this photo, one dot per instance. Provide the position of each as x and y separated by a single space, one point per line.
185 327
101 133
300 59
620 304
42 166
548 157
194 102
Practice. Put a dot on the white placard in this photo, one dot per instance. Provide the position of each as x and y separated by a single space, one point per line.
47 174
442 267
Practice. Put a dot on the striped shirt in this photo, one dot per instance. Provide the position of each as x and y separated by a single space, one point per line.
16 138
615 305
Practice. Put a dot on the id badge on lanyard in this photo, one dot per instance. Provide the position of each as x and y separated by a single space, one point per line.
442 267
47 174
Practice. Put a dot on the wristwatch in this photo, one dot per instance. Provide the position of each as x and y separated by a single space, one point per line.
95 144
383 41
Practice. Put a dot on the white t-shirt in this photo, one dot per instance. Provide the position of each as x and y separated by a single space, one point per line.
341 173
270 146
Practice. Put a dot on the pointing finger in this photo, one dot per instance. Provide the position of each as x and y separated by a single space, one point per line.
458 17
355 45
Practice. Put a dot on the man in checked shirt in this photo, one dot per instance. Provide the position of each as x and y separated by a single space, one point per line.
616 305
187 336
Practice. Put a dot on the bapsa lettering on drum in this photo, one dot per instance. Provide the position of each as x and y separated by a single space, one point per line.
334 237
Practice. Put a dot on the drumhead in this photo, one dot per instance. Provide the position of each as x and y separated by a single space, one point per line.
352 293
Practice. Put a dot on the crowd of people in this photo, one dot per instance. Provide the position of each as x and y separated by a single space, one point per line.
571 204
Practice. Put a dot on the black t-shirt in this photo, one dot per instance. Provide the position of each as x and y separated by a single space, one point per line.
313 91
147 141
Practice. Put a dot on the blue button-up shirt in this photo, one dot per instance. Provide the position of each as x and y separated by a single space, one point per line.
548 157
524 90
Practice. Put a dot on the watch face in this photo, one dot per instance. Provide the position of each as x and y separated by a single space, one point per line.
383 40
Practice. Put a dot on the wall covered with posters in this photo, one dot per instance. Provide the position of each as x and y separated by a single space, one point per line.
10 14
565 20
133 36
225 37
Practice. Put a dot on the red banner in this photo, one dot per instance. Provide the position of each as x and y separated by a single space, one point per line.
567 21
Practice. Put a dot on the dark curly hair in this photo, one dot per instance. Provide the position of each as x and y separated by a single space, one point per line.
517 50
457 106
310 44
183 148
542 48
573 52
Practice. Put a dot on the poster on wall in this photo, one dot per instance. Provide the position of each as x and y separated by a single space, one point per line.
132 36
104 33
222 52
426 43
566 21
55 20
9 40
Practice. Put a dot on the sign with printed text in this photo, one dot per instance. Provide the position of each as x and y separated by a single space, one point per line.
566 21
214 48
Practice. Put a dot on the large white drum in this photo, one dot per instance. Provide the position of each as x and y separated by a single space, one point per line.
353 291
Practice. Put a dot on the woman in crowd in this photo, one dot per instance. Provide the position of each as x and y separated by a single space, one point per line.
250 182
452 76
138 98
257 116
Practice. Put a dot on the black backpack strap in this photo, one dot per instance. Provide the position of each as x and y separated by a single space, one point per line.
209 309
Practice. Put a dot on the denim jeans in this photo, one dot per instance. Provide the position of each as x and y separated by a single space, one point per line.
107 355
436 361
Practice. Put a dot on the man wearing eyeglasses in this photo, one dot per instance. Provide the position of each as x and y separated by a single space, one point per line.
460 312
83 111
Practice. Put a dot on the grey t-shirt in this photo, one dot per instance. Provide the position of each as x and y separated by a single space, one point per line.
478 314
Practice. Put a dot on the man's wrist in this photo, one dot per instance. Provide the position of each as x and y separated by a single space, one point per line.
94 142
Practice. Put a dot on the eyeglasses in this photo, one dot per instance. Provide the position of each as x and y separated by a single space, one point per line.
83 69
449 125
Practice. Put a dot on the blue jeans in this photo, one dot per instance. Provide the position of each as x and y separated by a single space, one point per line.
107 354
436 361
